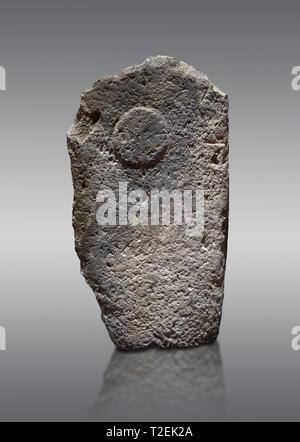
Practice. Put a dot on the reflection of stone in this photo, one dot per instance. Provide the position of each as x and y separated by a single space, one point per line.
155 384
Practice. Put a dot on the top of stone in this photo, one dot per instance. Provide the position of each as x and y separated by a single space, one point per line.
104 93
160 61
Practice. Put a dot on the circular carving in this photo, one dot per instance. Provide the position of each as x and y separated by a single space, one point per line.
140 137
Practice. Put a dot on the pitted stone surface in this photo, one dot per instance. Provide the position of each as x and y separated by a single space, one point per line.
163 125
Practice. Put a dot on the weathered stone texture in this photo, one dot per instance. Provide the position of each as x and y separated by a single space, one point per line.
161 124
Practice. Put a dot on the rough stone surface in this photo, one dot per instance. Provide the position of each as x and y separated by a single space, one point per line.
164 125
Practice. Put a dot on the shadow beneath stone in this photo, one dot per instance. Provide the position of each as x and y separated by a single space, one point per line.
163 385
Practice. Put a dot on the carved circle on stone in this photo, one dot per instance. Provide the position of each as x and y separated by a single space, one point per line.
140 137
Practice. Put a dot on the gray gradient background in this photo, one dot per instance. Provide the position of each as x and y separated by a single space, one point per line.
57 348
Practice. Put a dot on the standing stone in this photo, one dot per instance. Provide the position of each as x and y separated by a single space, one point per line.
158 126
